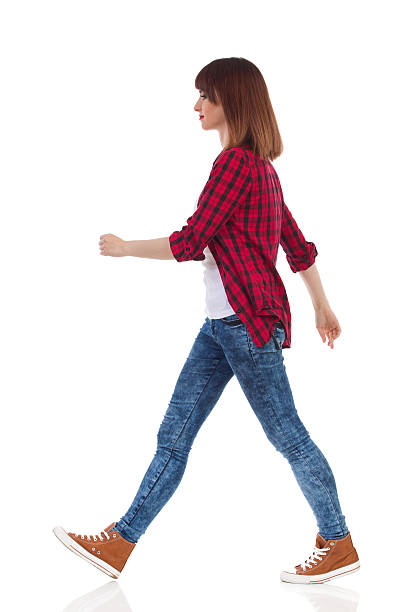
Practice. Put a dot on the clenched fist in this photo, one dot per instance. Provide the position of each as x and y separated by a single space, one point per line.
112 245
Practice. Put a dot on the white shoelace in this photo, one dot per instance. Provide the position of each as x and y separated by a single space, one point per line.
95 537
315 555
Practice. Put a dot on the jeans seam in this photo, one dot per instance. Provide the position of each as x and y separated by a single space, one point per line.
261 383
250 348
301 456
175 441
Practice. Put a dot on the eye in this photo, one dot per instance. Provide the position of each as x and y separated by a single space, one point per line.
203 96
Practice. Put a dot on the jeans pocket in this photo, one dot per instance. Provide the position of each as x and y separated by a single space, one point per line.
274 344
231 320
280 335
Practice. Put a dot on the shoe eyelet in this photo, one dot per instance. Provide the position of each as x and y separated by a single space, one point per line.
93 548
99 552
331 543
114 535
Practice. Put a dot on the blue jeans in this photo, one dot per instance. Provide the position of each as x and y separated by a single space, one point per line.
222 348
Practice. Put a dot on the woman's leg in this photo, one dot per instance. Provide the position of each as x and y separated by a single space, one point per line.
261 374
200 384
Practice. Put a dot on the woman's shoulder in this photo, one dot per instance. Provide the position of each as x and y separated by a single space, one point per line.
233 154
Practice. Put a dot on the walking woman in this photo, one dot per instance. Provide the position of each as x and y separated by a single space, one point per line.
237 226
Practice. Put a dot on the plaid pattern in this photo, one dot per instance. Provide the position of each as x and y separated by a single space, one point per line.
242 217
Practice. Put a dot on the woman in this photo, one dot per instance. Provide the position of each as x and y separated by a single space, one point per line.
240 220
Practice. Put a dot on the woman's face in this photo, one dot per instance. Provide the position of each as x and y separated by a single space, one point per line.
211 115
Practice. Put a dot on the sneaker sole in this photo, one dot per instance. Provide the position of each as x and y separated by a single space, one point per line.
63 537
304 579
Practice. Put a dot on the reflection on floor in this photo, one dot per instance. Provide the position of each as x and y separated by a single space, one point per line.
107 598
325 597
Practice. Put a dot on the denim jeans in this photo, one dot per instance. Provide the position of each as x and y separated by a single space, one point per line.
224 348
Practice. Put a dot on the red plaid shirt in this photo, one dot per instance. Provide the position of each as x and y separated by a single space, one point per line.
242 217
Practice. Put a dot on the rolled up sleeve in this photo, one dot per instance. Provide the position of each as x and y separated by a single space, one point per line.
300 253
227 187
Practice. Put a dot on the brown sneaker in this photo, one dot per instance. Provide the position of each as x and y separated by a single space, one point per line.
330 559
107 551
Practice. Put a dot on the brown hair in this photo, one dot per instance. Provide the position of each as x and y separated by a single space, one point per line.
238 85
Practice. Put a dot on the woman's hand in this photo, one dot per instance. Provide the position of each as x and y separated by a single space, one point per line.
112 245
327 324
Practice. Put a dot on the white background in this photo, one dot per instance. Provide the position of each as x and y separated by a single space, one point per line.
99 135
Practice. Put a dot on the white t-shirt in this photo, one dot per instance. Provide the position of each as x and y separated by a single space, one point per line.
216 301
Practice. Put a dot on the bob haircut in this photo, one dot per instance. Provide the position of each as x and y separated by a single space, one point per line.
238 85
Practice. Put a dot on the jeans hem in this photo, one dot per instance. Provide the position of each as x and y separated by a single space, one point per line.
126 532
334 537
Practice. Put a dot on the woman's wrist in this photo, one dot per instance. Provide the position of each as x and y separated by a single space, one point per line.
320 304
130 247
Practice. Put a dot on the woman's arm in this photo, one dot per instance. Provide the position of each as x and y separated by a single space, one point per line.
225 189
300 253
156 248
301 256
314 285
326 321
